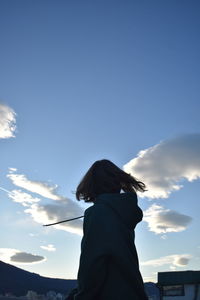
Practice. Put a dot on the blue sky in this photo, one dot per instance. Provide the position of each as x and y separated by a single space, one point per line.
86 80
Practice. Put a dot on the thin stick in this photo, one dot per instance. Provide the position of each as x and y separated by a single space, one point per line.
63 221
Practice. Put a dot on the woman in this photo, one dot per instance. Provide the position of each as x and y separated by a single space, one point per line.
109 268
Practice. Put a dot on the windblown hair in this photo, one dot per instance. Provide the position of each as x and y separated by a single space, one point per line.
105 177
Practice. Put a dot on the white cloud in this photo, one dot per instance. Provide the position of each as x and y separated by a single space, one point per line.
164 165
7 122
173 268
42 188
58 211
12 170
48 213
162 220
49 248
19 257
33 234
176 260
164 236
24 198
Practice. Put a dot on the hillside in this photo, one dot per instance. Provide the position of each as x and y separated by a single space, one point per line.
17 281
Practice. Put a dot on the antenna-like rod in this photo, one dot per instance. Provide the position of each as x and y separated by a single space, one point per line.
63 221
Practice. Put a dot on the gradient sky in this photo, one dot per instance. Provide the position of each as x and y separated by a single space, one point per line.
86 80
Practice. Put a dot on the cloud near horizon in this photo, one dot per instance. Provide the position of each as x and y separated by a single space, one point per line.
163 166
175 260
49 247
162 220
9 255
7 122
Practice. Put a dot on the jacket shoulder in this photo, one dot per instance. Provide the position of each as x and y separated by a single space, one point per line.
133 196
89 210
96 211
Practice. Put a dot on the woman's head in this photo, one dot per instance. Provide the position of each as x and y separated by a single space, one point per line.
105 177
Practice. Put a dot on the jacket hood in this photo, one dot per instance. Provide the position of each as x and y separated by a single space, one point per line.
124 205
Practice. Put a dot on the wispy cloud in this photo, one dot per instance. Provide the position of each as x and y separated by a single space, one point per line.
53 212
7 122
21 197
19 257
163 166
41 188
177 260
58 211
49 247
162 220
33 234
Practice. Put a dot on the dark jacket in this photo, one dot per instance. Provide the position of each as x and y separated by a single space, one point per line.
109 267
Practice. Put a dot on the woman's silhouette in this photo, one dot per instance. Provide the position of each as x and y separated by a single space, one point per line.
109 268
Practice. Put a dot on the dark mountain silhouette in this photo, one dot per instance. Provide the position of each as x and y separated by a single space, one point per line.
18 282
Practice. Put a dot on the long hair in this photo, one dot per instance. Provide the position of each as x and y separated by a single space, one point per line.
105 177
